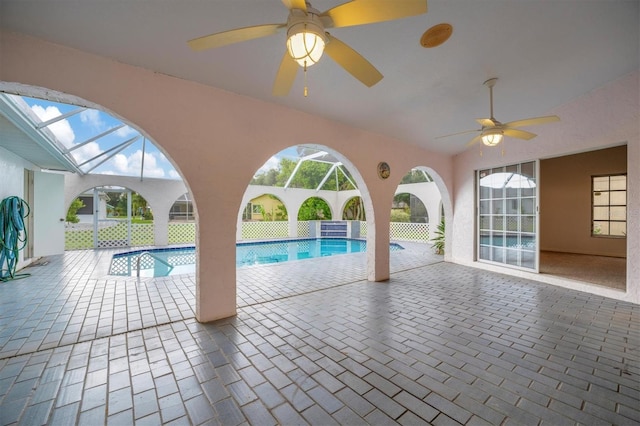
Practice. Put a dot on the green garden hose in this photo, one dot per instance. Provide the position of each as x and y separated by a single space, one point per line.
13 235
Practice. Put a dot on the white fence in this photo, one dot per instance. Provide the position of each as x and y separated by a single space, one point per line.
265 230
185 233
406 231
399 231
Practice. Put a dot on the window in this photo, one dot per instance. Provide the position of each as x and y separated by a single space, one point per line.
609 206
256 208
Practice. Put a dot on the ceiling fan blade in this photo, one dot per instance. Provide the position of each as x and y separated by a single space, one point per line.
533 121
286 76
519 134
371 11
353 62
464 132
234 36
486 122
474 140
295 4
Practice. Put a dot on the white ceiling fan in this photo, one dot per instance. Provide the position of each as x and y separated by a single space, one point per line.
307 38
492 131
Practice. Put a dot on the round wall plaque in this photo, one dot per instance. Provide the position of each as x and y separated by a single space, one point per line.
383 170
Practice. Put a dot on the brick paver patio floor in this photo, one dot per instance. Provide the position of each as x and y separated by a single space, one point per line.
314 343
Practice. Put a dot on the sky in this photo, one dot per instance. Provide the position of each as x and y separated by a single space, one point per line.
84 125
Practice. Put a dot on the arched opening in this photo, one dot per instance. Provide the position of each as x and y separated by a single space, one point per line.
115 172
182 221
265 208
108 217
354 209
314 183
314 208
265 216
416 210
408 207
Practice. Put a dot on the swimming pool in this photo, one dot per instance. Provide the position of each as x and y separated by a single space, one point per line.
162 262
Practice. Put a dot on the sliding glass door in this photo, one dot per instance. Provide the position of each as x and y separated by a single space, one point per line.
507 215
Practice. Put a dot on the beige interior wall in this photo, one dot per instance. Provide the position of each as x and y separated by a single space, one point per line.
565 202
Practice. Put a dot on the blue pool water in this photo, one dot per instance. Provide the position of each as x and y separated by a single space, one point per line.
181 260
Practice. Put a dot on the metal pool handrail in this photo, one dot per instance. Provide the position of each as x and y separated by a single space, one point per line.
155 257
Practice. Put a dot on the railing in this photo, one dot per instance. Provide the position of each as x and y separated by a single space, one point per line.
168 265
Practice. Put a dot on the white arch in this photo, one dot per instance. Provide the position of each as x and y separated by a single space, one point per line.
428 193
159 193
443 202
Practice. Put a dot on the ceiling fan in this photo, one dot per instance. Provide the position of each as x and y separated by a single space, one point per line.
492 131
307 38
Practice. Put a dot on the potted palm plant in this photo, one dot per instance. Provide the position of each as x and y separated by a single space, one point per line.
438 241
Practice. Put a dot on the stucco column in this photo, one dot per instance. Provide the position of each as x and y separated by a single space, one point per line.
378 246
293 227
215 270
161 229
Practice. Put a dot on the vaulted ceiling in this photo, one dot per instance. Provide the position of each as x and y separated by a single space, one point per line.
545 53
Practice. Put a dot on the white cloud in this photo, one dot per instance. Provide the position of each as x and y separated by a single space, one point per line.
130 165
86 152
174 174
92 118
125 131
61 129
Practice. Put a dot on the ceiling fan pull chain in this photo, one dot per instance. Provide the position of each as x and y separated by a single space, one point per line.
306 89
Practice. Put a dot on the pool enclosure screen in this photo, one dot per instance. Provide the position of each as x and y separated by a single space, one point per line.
507 215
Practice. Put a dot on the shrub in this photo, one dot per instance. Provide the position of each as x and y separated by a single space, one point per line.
398 215
438 241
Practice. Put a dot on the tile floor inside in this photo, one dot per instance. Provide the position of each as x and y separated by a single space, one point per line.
314 343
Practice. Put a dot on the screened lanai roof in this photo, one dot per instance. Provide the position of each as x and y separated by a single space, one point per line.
336 168
59 136
303 155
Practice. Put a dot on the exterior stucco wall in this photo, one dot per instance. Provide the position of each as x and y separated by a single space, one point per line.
217 140
605 117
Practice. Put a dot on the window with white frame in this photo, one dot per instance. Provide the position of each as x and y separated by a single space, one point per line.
609 206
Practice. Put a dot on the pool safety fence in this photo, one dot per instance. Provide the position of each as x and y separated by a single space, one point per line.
265 230
115 233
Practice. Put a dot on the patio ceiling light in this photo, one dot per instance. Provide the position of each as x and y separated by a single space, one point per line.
306 40
492 137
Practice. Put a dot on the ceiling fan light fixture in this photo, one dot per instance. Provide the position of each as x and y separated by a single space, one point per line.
492 137
306 40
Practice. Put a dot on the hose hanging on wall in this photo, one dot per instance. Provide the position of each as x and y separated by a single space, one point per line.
13 235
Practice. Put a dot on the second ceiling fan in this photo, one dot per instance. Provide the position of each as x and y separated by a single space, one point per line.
492 131
307 38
